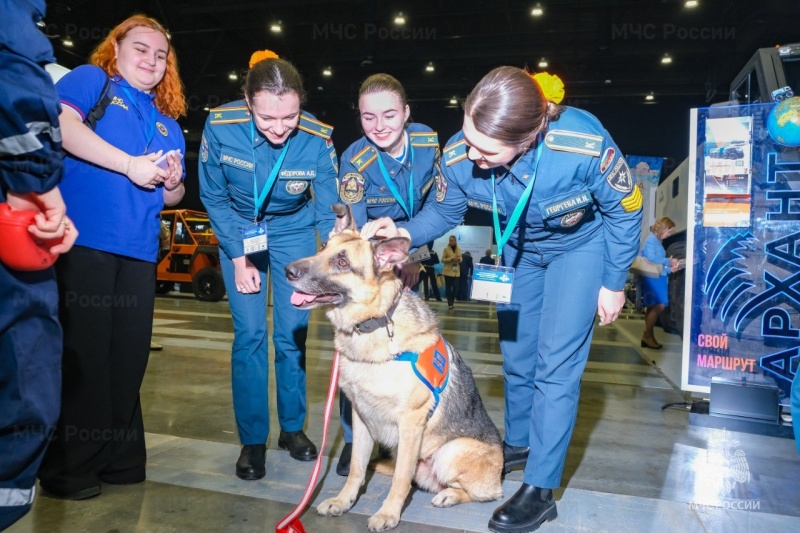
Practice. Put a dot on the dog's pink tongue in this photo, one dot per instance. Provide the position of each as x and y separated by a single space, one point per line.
300 298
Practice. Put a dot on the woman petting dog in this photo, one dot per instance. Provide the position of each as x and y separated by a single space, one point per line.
259 160
569 239
389 172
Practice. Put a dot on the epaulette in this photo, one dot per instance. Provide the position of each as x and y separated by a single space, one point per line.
364 158
572 141
229 115
315 127
455 152
424 139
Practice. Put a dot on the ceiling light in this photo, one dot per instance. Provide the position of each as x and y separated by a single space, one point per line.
650 97
429 67
608 82
691 3
275 27
206 108
666 60
41 24
67 42
400 19
185 131
543 63
233 76
454 101
537 10
327 71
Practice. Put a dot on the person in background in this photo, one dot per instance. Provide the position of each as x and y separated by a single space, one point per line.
106 283
260 160
30 334
466 276
487 259
451 258
655 293
429 276
570 251
389 172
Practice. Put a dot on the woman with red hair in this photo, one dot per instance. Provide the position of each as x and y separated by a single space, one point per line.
114 191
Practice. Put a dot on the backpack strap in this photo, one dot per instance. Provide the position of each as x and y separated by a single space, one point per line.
99 108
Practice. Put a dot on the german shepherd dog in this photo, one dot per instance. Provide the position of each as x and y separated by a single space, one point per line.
444 441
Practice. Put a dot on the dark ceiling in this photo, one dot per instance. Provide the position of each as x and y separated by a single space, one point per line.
607 52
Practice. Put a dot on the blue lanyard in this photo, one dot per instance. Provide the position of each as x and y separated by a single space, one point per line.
392 187
258 199
152 125
502 237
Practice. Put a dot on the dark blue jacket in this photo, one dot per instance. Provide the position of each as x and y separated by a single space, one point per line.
583 192
362 185
30 139
230 159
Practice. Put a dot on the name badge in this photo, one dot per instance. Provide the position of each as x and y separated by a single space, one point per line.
254 238
492 283
420 255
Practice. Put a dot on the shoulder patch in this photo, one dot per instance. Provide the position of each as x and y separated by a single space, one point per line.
314 127
229 115
364 158
573 141
351 189
632 202
455 152
424 139
605 161
620 177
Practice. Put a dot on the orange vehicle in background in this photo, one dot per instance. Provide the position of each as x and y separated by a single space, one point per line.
189 255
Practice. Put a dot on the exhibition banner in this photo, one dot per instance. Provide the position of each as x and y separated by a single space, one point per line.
743 274
646 173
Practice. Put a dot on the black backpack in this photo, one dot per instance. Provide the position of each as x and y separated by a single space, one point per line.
99 108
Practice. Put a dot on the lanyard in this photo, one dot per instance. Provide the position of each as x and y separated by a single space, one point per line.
152 125
392 187
258 199
502 237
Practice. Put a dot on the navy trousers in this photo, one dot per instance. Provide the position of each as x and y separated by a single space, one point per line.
545 335
30 383
249 358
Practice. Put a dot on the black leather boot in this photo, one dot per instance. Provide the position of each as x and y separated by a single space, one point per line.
343 467
250 465
514 456
525 511
299 446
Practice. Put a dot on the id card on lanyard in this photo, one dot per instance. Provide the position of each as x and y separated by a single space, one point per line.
254 236
494 283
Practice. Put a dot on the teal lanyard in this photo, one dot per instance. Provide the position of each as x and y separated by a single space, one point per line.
152 124
258 199
392 187
502 237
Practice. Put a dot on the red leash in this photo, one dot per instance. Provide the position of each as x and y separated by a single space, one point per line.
290 523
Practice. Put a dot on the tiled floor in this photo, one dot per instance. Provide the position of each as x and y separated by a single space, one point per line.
631 465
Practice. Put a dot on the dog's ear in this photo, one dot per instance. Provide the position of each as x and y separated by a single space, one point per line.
390 252
344 219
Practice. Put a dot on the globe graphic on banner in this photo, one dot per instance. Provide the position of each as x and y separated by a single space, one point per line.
783 122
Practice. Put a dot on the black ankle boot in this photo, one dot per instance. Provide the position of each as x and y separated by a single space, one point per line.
250 465
343 466
525 511
514 456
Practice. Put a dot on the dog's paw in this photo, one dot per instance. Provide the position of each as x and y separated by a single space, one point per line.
333 507
450 497
383 521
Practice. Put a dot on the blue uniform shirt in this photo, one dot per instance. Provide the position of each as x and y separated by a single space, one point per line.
583 191
112 213
363 186
228 168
